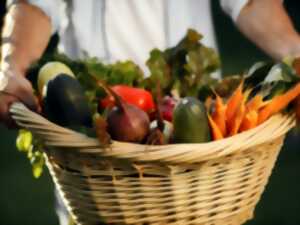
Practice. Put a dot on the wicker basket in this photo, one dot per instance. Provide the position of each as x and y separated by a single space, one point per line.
185 184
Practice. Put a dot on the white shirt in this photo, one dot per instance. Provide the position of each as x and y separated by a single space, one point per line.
114 30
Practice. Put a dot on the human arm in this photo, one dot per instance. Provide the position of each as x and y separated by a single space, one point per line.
25 35
267 24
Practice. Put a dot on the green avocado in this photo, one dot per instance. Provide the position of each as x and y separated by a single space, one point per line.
65 102
190 122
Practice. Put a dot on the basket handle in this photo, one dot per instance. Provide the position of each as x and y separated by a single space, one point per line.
51 133
26 118
65 139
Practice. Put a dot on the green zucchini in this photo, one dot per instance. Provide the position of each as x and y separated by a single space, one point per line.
190 122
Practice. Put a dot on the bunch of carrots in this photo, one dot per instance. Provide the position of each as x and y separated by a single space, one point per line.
239 113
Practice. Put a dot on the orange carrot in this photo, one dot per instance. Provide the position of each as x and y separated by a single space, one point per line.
255 103
219 115
249 121
246 96
208 103
278 103
215 131
233 125
237 120
234 102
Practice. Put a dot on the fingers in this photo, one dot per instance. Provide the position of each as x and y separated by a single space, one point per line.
18 89
5 103
22 89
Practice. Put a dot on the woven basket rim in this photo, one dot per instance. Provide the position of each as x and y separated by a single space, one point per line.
66 139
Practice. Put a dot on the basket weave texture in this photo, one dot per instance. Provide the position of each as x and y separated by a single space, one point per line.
216 183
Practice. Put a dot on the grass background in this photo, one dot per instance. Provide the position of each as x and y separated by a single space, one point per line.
27 201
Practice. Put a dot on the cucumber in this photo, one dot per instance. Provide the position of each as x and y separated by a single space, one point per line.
190 122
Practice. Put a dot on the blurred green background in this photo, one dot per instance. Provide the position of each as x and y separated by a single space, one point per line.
27 201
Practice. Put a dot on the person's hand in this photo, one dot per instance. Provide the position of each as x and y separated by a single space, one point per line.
14 88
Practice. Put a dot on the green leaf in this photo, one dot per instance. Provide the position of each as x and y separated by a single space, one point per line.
24 140
37 171
33 147
159 71
257 73
226 86
185 67
282 71
37 161
267 72
125 72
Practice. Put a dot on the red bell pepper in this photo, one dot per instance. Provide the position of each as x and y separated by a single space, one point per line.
135 96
